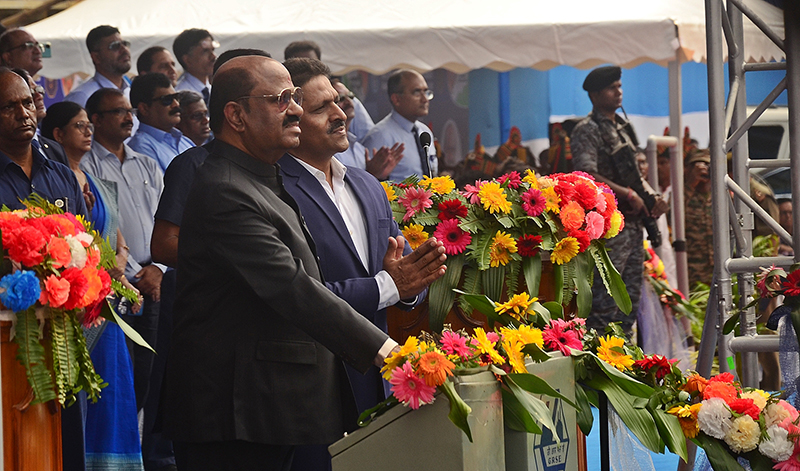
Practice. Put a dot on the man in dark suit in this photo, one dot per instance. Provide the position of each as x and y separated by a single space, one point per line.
350 219
256 359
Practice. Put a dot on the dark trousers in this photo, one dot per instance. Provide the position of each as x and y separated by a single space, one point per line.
235 455
146 324
156 449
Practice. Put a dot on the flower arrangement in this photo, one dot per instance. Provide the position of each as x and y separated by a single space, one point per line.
54 267
667 295
729 422
493 231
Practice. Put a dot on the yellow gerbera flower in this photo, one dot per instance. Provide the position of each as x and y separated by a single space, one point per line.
552 200
616 224
503 245
485 346
687 417
515 356
565 250
391 362
415 235
611 352
530 177
411 346
530 335
517 306
440 185
494 198
389 189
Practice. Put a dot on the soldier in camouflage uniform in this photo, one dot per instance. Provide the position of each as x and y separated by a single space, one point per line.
698 217
604 145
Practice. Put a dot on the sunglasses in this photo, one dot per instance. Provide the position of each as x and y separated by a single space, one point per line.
83 126
284 98
116 111
165 100
115 45
28 45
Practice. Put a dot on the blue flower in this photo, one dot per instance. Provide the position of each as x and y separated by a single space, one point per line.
19 290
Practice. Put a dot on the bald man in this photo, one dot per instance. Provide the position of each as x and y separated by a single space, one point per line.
256 358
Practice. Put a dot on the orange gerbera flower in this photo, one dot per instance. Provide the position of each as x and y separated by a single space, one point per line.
695 384
434 368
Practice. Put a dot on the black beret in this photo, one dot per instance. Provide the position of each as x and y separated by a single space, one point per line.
601 77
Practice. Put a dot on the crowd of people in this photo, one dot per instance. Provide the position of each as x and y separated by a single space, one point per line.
243 200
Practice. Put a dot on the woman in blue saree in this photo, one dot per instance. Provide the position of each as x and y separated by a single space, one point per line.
111 433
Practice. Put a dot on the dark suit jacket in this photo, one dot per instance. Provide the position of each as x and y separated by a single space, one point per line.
343 270
254 328
53 150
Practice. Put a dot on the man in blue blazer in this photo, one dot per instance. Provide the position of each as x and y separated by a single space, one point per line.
363 257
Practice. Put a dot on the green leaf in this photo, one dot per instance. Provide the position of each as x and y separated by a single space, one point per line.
515 416
630 385
88 379
532 271
671 432
536 353
493 282
505 221
536 385
758 462
730 324
107 312
459 410
369 415
64 348
543 312
31 355
717 454
426 219
584 415
441 294
512 278
639 421
471 285
611 278
558 281
535 406
556 309
582 280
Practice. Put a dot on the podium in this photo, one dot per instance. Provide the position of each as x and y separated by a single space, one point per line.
403 439
529 452
31 433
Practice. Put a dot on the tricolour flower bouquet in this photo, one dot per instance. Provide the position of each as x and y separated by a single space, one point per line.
54 269
494 231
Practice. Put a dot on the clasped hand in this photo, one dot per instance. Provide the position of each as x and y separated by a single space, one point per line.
417 270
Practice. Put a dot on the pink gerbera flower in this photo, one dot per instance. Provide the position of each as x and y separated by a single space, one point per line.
533 202
557 337
455 239
471 191
409 388
454 344
415 200
513 178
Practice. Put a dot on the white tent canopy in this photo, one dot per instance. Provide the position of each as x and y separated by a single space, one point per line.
380 35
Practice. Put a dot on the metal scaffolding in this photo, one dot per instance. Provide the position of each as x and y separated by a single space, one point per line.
733 209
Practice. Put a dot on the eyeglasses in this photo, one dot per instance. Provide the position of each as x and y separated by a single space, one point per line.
83 126
116 111
115 45
342 96
198 116
165 100
283 98
28 45
419 92
38 89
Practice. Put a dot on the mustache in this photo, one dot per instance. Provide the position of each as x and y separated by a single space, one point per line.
291 119
127 123
174 111
339 123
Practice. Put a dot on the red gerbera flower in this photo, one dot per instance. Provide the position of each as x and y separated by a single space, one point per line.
792 284
529 245
513 179
658 364
583 239
454 239
451 209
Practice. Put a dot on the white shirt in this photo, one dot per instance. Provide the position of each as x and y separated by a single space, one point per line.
346 202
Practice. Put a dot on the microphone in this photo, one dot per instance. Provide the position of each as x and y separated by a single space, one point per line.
425 140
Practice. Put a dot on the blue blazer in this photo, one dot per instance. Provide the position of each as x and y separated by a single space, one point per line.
342 270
